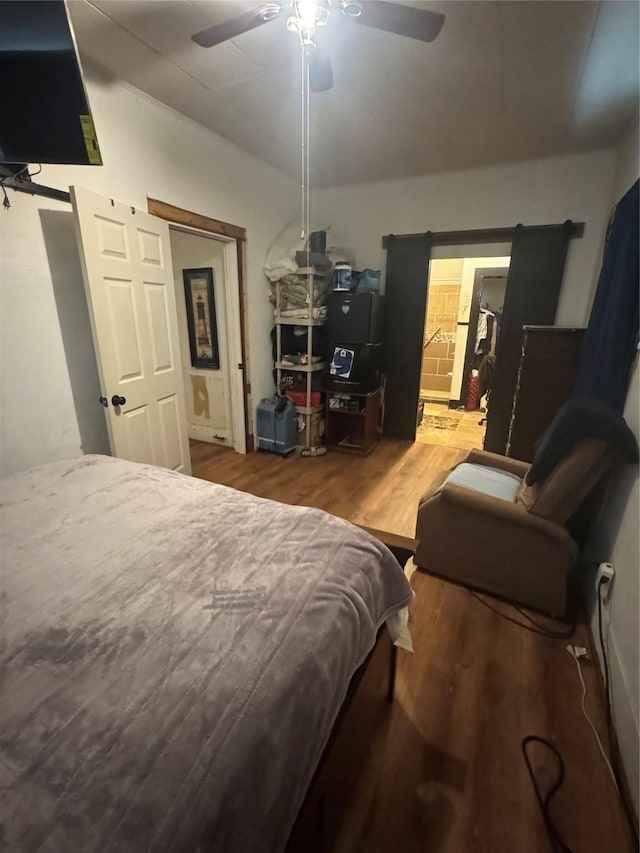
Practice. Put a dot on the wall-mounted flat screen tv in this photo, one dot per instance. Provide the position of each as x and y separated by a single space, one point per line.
44 109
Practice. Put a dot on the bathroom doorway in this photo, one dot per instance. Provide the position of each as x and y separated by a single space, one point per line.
461 331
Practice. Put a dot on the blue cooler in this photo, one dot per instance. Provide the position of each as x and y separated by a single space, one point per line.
277 425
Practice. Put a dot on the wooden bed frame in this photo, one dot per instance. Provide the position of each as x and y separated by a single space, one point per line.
366 704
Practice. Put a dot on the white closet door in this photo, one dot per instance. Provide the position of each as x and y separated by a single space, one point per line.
126 260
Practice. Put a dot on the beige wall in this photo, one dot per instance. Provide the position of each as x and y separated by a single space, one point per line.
615 539
536 192
443 302
148 149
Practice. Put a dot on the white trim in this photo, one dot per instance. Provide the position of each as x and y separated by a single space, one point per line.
625 721
234 339
234 342
201 432
466 294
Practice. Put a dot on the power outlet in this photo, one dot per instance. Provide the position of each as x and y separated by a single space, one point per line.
578 652
604 581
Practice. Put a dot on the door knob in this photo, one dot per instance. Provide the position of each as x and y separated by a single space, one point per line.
117 401
103 401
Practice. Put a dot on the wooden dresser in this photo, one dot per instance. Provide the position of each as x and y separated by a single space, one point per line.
546 377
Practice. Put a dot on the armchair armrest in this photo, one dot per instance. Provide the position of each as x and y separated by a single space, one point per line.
515 554
494 460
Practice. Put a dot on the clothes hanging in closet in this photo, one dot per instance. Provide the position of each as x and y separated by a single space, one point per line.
484 334
485 374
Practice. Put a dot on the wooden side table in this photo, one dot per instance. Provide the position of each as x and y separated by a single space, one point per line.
352 421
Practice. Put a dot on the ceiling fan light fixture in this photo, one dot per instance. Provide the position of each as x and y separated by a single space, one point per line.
306 13
269 12
305 34
351 9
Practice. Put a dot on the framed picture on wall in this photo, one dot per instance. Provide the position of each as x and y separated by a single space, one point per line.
201 317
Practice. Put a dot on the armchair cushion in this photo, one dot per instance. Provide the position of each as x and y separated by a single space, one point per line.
495 460
486 480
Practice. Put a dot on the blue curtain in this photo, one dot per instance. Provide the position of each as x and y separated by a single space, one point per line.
611 338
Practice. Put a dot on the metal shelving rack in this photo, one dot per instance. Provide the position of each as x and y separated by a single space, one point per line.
310 368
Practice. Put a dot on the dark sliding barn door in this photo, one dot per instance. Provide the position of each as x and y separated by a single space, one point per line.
538 257
405 304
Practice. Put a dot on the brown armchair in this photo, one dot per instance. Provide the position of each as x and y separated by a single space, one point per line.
484 527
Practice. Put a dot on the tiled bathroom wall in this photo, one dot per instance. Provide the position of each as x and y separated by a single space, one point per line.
441 321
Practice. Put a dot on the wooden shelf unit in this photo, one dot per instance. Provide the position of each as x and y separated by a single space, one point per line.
353 431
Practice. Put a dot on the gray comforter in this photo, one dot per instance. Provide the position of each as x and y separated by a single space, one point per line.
174 654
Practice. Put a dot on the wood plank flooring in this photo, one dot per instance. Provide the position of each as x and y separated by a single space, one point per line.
445 773
380 491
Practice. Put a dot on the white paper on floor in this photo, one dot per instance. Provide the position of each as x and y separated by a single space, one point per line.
398 623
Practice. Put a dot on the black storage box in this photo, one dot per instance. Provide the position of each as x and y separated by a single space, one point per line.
355 317
365 371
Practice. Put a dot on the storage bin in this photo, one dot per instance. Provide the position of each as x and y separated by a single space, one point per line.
296 380
300 398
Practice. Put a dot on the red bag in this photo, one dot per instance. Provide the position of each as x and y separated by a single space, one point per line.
473 397
299 398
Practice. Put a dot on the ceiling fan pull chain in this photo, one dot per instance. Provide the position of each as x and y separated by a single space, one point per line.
303 234
307 95
305 134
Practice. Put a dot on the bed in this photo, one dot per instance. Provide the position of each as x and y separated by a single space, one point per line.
174 657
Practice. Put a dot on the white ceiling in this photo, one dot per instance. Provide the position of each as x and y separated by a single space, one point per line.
504 81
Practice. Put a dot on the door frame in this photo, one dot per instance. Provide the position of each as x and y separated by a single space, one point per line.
479 271
436 240
234 239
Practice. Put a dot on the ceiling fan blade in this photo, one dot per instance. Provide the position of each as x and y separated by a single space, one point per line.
320 71
407 21
237 26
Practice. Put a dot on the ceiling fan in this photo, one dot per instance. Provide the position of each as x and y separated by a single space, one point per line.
308 15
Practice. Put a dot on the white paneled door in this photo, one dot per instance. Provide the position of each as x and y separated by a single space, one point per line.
126 263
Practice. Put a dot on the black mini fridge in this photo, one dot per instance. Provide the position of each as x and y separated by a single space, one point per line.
356 318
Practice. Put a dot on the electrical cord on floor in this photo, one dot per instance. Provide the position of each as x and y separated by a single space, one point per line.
605 656
558 844
616 771
588 718
535 627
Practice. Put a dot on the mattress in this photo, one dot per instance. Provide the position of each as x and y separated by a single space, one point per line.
174 655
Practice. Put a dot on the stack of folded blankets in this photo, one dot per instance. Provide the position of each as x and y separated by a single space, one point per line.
295 297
